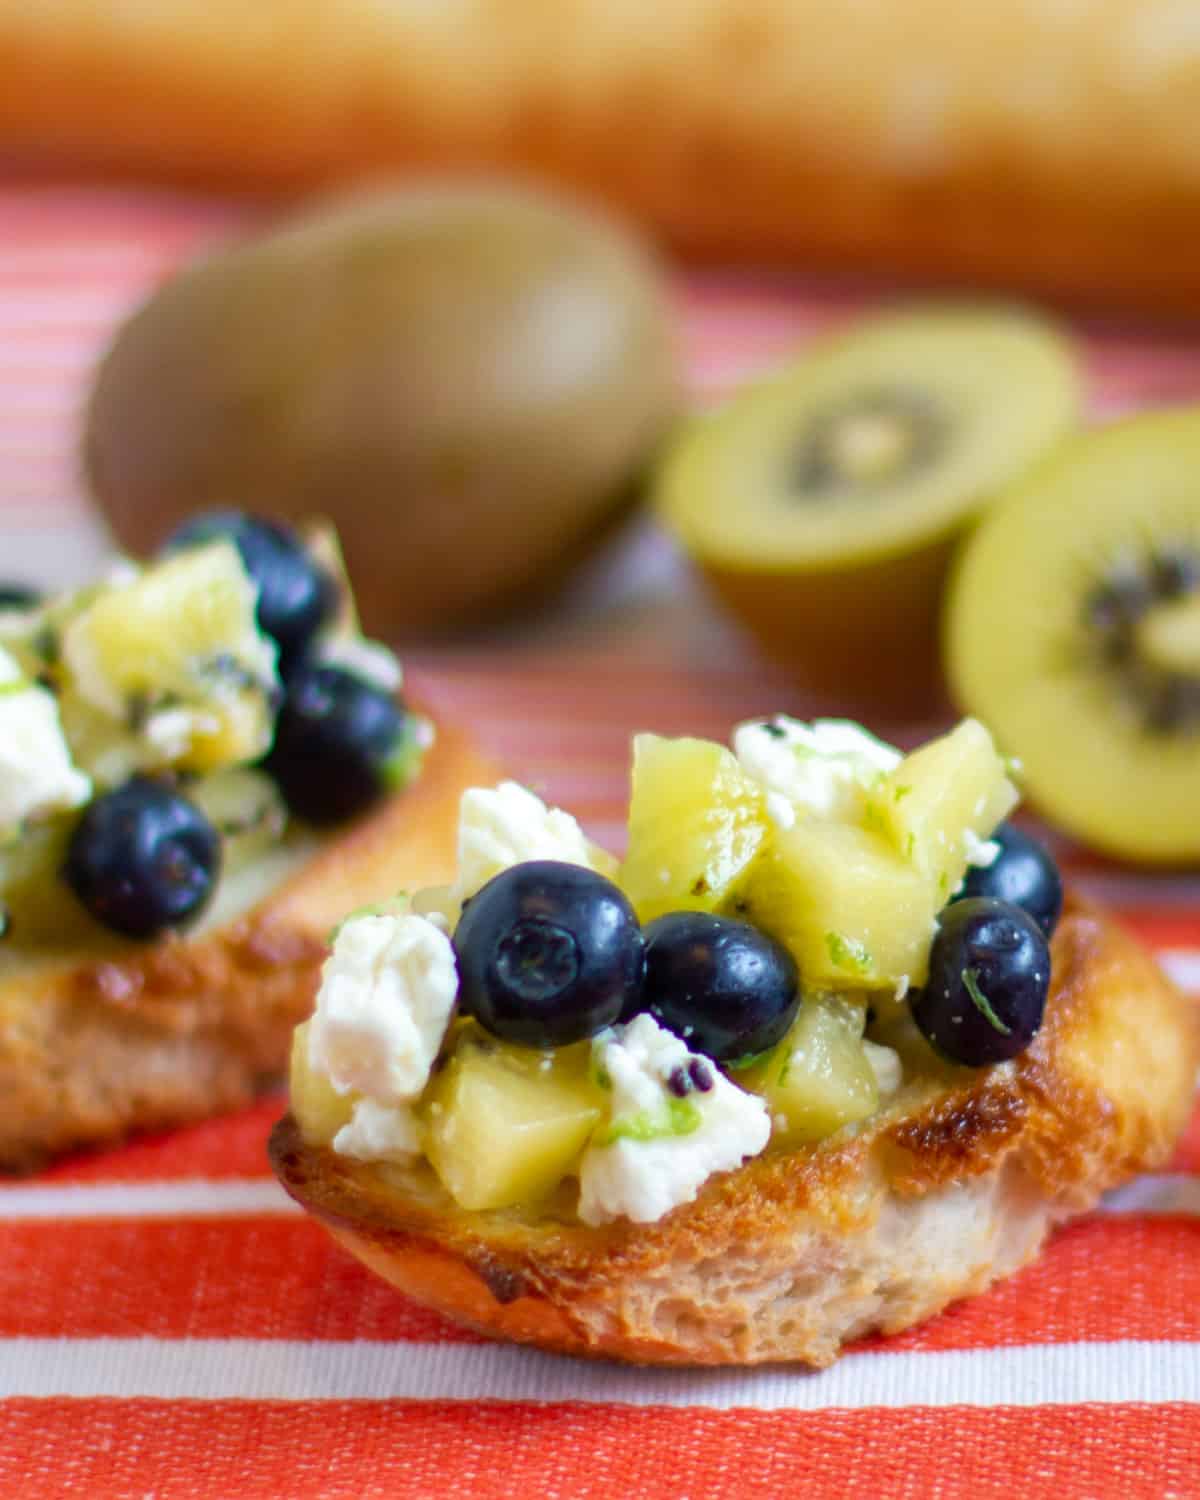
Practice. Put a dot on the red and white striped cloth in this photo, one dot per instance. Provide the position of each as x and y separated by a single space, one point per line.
171 1326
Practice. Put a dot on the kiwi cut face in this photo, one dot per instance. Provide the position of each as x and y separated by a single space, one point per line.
1073 629
873 443
1128 620
880 437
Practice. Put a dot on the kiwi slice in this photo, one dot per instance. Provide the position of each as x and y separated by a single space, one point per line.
1073 630
247 810
823 502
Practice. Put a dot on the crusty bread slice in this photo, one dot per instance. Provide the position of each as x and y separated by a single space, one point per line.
96 1042
954 1184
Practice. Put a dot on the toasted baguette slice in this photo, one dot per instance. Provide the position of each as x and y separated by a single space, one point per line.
100 1041
956 1183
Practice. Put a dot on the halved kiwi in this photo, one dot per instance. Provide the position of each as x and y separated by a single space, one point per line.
1073 630
822 503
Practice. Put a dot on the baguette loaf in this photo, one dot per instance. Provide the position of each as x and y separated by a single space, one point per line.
1054 147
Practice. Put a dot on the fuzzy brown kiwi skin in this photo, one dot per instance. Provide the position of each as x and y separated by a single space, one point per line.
466 381
877 624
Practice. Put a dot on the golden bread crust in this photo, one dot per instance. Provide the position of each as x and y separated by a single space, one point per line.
135 1036
1053 147
953 1184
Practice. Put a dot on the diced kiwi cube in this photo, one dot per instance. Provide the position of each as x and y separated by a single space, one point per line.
818 1078
318 1109
852 912
247 810
696 822
941 795
507 1124
183 635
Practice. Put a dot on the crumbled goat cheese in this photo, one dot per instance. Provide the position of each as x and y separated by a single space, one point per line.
369 660
379 1132
169 731
507 825
820 769
387 994
37 775
121 572
661 1147
980 852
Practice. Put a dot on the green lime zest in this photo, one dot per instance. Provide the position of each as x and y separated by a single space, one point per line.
401 766
747 1060
970 979
682 1117
848 954
900 792
47 644
395 905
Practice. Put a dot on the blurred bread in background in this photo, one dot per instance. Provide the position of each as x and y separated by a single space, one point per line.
1050 144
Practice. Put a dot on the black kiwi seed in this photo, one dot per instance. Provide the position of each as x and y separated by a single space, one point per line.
1174 706
1112 610
1174 573
1166 702
819 466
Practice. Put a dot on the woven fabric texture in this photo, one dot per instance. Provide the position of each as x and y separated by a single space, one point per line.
171 1326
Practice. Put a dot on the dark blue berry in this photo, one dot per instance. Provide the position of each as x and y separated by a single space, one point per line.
989 974
548 954
19 596
1022 874
340 744
143 859
295 595
726 988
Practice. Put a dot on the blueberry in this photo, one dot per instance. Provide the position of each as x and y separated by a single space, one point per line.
726 988
143 859
1023 874
340 744
295 595
19 596
989 973
548 954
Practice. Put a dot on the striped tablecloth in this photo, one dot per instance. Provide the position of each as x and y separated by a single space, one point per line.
171 1326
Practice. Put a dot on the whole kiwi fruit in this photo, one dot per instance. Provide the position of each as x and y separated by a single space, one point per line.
467 379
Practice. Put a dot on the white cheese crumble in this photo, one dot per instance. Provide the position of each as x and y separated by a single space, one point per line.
121 572
819 770
369 660
387 994
507 825
980 852
37 775
169 731
379 1132
886 1065
643 1175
